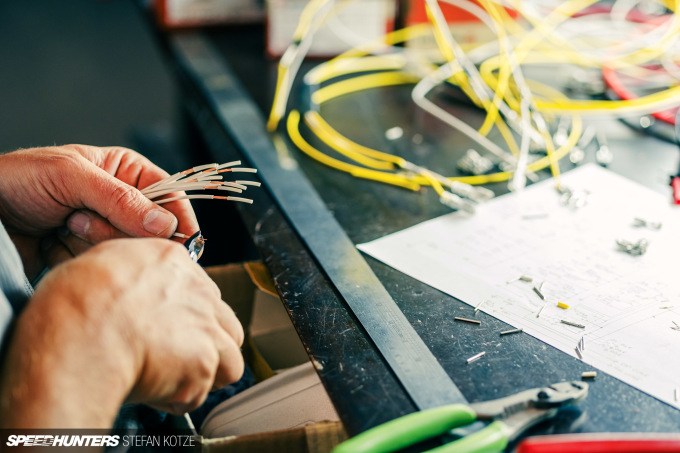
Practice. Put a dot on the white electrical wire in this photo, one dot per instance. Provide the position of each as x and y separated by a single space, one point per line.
203 177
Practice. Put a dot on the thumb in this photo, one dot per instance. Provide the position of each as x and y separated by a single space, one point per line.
125 207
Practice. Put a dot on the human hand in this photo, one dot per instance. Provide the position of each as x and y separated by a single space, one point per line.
129 320
91 190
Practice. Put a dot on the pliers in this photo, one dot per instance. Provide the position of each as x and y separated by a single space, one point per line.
509 417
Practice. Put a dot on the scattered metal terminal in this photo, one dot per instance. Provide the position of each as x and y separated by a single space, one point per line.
479 305
540 286
636 249
475 163
569 323
522 278
677 327
573 199
578 353
562 305
638 222
589 375
582 344
476 357
508 332
472 321
540 294
539 311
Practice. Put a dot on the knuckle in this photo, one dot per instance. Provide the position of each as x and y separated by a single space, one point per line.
238 335
125 197
233 371
206 366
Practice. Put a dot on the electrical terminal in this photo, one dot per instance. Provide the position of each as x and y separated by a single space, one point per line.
476 194
508 332
633 248
642 223
589 375
475 357
453 201
574 199
474 163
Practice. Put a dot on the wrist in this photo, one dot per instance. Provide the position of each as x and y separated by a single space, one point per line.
66 367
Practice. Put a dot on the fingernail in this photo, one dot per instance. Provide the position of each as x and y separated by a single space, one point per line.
79 223
156 222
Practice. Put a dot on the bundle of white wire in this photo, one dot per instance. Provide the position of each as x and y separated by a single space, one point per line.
203 177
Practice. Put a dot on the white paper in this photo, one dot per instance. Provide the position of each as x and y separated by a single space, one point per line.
627 303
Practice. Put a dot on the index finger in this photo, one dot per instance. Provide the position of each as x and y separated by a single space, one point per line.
136 170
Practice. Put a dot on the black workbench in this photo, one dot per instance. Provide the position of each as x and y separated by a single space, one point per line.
362 387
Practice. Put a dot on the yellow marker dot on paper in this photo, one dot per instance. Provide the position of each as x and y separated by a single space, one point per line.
562 305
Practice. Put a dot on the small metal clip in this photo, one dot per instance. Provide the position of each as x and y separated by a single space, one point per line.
573 199
633 248
539 311
508 332
540 294
569 323
475 357
471 321
639 223
475 163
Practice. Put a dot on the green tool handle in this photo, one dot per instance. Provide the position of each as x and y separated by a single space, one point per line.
409 430
492 439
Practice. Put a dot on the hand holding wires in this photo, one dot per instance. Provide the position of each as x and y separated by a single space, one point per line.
200 178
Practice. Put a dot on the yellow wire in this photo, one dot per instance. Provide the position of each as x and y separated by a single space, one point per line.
327 70
293 125
342 144
358 83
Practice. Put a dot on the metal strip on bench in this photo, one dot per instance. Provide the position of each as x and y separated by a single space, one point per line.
412 362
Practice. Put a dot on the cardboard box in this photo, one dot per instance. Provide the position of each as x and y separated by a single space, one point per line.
316 438
271 336
271 342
